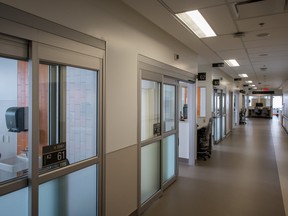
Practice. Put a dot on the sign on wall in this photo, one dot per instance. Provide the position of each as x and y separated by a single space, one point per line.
53 154
216 82
201 76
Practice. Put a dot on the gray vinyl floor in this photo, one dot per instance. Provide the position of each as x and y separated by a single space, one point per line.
246 176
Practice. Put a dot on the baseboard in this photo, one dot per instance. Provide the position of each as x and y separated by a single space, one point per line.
135 213
183 160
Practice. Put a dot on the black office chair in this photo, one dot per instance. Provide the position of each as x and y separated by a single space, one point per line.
204 141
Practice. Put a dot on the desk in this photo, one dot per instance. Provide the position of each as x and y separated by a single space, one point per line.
260 112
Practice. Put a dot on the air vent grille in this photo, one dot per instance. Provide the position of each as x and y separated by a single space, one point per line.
255 8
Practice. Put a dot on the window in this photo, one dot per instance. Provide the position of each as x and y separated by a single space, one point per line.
169 107
14 101
68 110
150 124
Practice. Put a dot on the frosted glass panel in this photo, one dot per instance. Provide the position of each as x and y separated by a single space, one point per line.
72 195
150 109
14 204
150 170
169 107
217 129
168 157
223 127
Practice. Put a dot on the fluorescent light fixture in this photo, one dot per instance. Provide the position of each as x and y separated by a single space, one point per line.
232 63
242 75
196 22
252 85
248 81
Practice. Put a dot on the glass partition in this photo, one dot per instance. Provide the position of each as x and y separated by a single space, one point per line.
169 158
169 107
74 194
68 110
158 135
8 203
14 102
150 109
184 103
150 170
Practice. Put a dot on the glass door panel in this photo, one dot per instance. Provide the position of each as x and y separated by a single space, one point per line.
150 170
223 112
150 109
68 110
169 157
218 113
14 100
158 135
20 198
169 95
70 195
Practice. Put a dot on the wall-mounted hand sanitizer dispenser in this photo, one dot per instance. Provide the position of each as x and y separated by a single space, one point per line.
17 119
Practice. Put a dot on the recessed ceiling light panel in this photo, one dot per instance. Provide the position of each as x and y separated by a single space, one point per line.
232 63
242 75
197 23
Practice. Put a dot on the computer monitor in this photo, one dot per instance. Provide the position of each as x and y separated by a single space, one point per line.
259 104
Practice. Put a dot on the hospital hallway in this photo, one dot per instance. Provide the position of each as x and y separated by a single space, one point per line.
247 175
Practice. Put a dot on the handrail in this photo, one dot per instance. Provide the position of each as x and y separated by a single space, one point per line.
284 116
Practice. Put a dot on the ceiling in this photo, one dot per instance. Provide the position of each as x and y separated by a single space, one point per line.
263 58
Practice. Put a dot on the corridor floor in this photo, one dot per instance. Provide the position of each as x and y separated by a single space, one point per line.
246 176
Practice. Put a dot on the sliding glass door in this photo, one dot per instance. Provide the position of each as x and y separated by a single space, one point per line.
51 113
219 110
159 135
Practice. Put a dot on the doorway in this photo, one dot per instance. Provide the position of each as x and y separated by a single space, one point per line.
219 110
187 147
158 133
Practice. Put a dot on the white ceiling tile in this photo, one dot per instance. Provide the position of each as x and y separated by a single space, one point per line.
267 50
266 43
224 23
270 22
274 34
221 43
186 5
233 54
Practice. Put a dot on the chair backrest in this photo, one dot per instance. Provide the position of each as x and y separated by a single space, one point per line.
208 129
